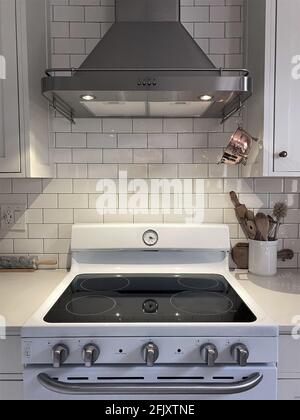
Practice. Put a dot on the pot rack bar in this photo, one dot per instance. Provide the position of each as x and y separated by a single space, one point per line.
67 112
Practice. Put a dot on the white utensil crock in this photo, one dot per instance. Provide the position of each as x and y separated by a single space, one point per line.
263 258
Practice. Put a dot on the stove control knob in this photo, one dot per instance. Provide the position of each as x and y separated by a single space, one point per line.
150 354
60 353
90 355
240 353
210 354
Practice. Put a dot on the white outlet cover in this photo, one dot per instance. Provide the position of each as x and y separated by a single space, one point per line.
13 217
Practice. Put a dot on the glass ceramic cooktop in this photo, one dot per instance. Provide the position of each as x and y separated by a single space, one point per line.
94 298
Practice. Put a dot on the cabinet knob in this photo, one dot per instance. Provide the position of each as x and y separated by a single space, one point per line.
283 154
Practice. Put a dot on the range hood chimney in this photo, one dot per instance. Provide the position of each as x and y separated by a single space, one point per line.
147 65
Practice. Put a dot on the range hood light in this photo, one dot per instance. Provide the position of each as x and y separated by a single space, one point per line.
206 98
88 98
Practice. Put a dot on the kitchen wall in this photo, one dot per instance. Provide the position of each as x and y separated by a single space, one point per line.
151 149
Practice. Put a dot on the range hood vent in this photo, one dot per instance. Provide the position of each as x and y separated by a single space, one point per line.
147 65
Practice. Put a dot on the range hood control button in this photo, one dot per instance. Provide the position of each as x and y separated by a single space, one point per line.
90 355
150 354
210 354
60 354
240 353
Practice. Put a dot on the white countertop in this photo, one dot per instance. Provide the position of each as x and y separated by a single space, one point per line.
21 294
278 296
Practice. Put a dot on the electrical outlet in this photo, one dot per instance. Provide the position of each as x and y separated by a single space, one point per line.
13 217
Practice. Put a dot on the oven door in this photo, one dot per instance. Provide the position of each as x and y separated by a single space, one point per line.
156 383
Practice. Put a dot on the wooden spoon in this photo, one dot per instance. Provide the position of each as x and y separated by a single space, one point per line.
240 209
251 228
262 226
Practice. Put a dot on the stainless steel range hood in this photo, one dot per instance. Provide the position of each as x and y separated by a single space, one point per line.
147 65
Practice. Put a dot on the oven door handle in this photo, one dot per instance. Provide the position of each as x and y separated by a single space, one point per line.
150 388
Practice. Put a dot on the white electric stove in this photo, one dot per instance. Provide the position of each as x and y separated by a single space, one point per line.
150 312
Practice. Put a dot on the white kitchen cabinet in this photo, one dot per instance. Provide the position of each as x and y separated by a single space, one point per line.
11 388
24 113
289 368
11 369
289 389
273 58
10 157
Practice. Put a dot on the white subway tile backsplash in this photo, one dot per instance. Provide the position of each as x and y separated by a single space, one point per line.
87 125
152 125
162 141
109 171
73 201
117 156
178 156
239 185
68 13
5 186
148 156
102 141
87 156
65 231
135 171
58 216
292 200
27 186
29 246
99 14
34 216
87 216
134 141
6 246
61 155
59 186
171 149
178 125
41 231
72 171
69 140
192 141
271 185
117 125
42 201
61 246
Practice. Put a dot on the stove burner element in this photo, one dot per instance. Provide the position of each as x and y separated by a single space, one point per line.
98 284
150 306
90 305
204 303
203 284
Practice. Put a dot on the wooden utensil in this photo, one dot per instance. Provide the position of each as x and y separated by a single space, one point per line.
272 228
240 209
250 215
240 256
262 226
243 216
251 229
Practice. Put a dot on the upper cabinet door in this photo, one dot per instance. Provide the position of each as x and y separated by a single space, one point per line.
10 157
287 88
